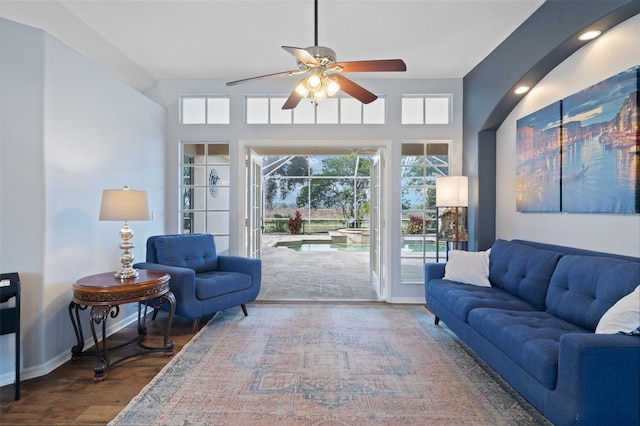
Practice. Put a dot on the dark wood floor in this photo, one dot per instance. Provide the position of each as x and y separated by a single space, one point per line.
68 395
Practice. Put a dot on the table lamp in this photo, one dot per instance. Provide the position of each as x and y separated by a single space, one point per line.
125 205
452 193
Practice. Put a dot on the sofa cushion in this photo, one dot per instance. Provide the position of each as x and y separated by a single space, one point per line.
530 339
522 271
468 267
217 283
193 251
583 288
624 316
461 298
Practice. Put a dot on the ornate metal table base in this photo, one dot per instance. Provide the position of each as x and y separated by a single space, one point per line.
105 302
99 315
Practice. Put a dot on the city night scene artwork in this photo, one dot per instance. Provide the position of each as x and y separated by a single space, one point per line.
585 159
538 161
600 147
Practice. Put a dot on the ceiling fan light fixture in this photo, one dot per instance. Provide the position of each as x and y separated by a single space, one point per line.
319 95
331 85
317 61
314 81
302 89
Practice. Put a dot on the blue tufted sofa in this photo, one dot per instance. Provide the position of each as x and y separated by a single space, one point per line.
536 326
203 281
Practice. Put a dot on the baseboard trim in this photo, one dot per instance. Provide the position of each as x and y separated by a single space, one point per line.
55 362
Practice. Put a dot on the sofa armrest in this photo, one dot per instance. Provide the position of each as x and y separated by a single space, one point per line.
433 271
246 265
598 379
182 283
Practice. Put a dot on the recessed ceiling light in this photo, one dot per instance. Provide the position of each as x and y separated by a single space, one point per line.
589 35
521 89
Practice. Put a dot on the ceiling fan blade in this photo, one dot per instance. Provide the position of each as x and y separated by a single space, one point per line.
277 74
302 55
371 66
293 100
355 90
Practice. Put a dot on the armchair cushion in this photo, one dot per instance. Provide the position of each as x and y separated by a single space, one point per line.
216 283
193 251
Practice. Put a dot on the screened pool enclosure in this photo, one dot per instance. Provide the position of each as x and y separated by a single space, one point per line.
314 195
328 192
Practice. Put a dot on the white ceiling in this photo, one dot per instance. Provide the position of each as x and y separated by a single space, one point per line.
143 41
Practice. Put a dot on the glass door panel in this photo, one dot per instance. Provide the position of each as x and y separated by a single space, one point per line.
205 191
421 164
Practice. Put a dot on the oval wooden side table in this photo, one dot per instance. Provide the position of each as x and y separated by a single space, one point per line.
105 293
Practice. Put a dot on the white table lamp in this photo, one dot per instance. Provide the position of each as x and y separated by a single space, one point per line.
452 194
452 191
125 205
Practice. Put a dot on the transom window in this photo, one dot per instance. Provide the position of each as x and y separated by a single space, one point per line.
204 109
426 109
268 110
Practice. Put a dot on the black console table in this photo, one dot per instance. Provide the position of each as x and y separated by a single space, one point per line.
10 317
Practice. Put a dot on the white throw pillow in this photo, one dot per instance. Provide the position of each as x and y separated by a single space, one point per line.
623 316
468 267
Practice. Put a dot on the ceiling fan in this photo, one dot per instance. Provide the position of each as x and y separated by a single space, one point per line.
325 74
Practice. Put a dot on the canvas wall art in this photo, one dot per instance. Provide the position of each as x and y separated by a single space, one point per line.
600 158
538 160
581 154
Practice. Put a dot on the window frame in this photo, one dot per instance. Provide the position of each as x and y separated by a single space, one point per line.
272 101
425 184
206 109
424 98
203 184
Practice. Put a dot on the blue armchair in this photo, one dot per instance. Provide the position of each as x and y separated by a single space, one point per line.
202 281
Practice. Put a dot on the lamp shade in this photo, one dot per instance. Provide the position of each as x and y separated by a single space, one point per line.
124 205
452 191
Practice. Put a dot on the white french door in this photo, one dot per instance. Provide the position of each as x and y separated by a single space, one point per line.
254 203
375 240
378 232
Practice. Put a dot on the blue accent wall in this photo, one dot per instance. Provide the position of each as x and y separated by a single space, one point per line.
540 44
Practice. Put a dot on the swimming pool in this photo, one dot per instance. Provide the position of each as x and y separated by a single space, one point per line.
411 246
324 246
417 246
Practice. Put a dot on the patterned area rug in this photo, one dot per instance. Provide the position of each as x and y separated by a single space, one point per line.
320 364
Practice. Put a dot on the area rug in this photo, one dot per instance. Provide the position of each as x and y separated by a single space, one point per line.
326 364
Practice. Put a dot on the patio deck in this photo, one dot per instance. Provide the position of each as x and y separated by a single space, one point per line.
289 275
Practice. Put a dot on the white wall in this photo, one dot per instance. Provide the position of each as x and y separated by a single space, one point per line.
167 92
22 181
69 130
611 53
